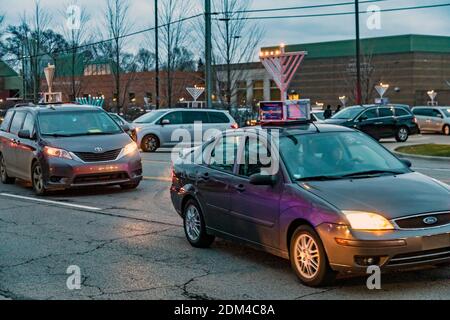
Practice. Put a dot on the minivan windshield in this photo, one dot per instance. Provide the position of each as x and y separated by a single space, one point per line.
348 113
446 112
77 123
150 117
336 155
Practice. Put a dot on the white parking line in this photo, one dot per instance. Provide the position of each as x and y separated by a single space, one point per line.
50 202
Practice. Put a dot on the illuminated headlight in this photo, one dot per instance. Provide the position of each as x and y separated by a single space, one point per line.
130 148
360 220
57 153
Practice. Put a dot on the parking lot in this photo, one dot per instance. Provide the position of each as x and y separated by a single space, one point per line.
131 245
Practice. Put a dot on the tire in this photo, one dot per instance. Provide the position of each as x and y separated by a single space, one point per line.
194 226
129 186
3 174
37 179
309 259
150 143
402 134
446 130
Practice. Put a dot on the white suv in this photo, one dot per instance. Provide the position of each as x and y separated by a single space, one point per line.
154 129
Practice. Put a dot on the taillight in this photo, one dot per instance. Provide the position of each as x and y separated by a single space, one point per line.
415 120
234 126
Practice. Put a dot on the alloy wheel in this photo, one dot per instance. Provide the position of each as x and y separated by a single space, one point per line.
38 179
403 134
151 144
307 256
3 169
193 223
447 130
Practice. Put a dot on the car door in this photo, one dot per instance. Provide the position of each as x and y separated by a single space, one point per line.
214 180
174 121
386 123
255 208
11 155
427 122
419 113
437 120
25 148
197 123
366 122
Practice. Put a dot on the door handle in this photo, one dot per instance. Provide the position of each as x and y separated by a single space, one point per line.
377 123
240 187
204 176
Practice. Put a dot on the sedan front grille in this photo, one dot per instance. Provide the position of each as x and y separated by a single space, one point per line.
419 221
420 256
98 157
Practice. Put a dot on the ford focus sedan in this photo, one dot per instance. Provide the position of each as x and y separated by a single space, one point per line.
63 146
329 198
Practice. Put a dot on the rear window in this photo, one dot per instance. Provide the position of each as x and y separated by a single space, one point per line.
422 112
401 112
385 112
17 121
218 117
6 121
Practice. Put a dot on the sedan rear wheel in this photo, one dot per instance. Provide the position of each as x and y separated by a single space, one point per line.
38 180
3 173
402 134
308 258
194 226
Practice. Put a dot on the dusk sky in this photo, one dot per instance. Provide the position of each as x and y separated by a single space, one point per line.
433 21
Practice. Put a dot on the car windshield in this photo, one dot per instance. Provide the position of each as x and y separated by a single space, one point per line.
336 155
446 112
76 123
319 115
150 117
348 113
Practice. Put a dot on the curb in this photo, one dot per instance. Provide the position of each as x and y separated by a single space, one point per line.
414 156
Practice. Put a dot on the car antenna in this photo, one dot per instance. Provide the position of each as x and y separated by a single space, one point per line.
317 128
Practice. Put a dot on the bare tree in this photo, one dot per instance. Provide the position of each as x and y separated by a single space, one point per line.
117 22
75 31
174 36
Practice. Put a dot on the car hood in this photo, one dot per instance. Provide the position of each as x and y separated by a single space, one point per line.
391 196
89 143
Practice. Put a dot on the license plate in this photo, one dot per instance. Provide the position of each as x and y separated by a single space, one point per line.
437 241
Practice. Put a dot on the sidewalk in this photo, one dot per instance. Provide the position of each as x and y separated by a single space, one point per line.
391 144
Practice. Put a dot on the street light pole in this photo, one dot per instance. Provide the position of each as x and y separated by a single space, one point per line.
156 56
358 55
208 57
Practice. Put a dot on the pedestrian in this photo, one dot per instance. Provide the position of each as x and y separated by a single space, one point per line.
328 113
338 109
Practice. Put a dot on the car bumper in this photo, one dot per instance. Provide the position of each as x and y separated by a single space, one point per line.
414 129
351 251
63 174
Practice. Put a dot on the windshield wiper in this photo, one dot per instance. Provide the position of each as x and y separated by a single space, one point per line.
56 135
372 172
319 178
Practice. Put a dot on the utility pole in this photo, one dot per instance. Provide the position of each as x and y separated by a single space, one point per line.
208 57
156 56
358 55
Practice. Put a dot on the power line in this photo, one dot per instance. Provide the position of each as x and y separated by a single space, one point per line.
341 13
106 40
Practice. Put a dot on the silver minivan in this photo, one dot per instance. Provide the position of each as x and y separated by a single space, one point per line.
155 129
433 119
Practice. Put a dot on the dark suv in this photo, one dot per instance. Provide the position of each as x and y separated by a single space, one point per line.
387 121
62 146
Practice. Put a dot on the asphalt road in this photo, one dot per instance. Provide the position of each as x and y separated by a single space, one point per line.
131 245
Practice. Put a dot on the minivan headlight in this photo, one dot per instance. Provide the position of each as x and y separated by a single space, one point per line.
361 220
130 149
57 153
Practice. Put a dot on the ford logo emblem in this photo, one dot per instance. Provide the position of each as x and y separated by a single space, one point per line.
98 149
430 220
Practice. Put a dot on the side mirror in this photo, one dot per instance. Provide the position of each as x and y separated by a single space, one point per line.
263 180
24 134
125 127
165 121
407 163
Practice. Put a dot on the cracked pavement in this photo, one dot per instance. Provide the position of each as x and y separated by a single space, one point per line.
134 248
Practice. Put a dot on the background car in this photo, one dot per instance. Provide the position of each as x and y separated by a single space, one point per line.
154 129
122 122
378 121
433 119
317 116
63 146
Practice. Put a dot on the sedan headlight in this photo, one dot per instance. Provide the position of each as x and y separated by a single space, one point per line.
361 220
57 153
130 149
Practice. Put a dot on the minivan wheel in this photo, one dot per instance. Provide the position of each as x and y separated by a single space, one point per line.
37 180
309 259
3 174
402 134
194 226
150 143
446 130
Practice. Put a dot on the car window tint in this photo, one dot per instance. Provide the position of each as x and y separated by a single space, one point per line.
190 117
224 153
423 112
385 112
6 121
218 117
28 124
436 113
401 112
174 117
17 121
370 114
256 157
